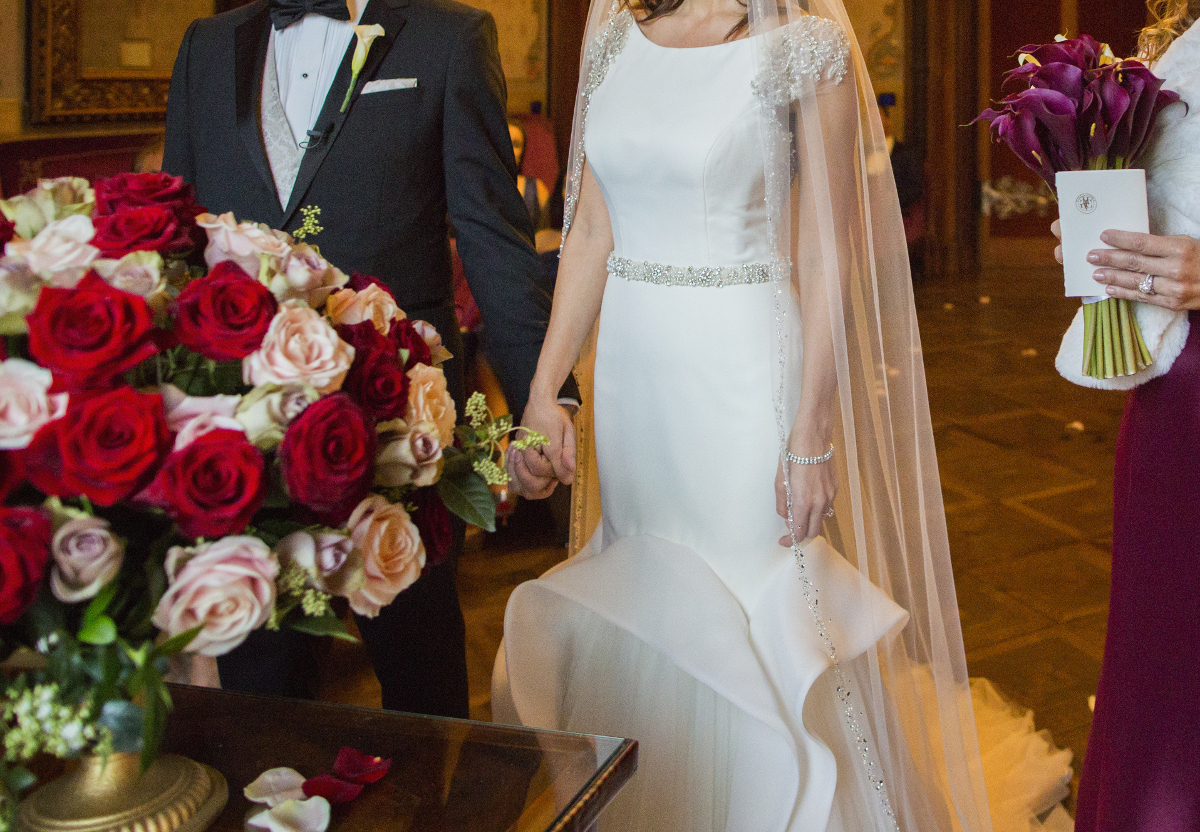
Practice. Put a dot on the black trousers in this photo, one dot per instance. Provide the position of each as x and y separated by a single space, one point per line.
417 646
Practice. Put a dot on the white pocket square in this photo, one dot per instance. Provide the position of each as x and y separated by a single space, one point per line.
385 84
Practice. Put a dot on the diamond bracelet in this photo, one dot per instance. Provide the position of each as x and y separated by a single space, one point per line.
809 460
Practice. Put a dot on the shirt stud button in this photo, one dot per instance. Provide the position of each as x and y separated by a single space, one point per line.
304 75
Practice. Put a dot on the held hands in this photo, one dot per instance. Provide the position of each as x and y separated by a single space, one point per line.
813 488
536 471
1174 263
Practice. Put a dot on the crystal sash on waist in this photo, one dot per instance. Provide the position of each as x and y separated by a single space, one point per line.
695 276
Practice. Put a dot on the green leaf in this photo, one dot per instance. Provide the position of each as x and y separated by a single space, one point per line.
19 779
175 644
102 630
325 625
125 720
273 529
456 463
100 603
470 498
154 719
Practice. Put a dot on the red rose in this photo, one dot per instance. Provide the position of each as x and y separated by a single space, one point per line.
224 316
89 335
8 230
433 522
213 485
328 457
145 228
407 338
358 282
12 473
376 379
24 551
107 446
135 190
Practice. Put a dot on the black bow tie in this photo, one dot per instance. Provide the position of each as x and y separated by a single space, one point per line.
286 12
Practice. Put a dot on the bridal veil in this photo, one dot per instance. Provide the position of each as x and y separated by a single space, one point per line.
904 707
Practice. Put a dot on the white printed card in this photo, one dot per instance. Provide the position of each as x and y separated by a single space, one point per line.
1089 202
385 84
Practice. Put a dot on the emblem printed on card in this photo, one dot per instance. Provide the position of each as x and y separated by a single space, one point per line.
1086 203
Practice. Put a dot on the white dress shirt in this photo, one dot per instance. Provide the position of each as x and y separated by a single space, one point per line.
307 56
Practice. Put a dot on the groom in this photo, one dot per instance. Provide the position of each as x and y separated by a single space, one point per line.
264 120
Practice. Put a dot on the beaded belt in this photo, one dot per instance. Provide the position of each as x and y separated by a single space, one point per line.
695 276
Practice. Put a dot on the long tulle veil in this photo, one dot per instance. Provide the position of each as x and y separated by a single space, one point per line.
906 706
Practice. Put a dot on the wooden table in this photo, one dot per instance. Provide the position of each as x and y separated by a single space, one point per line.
447 775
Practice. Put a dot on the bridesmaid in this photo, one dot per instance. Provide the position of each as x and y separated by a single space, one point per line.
1141 773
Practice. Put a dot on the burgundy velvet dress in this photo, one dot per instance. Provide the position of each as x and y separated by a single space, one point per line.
1142 771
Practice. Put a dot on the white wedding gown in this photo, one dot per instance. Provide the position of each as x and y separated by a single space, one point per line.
682 623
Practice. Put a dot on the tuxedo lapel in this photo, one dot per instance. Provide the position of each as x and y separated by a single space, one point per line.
250 50
387 14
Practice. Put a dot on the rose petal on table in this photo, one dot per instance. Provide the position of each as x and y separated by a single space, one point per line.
275 785
357 767
333 789
310 815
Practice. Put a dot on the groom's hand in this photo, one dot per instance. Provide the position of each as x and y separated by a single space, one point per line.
536 471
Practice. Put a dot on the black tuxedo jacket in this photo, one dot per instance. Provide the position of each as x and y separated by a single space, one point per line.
386 172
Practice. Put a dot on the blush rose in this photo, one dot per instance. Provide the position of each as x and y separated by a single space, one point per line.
299 346
86 556
393 554
25 402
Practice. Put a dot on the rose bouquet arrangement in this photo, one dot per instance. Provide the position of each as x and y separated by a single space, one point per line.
205 428
1083 109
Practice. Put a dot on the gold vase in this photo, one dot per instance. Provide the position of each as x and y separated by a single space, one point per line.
111 795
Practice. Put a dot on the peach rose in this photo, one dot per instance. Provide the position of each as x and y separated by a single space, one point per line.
138 273
241 242
227 587
60 246
25 402
189 417
433 340
86 556
372 304
300 346
393 554
303 274
267 410
329 557
429 401
407 455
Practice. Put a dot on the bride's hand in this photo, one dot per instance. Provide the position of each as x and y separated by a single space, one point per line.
536 471
813 490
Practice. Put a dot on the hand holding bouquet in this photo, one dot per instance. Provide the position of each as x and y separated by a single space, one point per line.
1083 109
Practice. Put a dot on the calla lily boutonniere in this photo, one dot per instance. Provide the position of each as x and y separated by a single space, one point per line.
366 36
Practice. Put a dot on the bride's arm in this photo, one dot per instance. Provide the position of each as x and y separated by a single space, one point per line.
582 273
814 486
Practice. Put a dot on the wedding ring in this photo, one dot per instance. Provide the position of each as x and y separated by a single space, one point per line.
1146 287
829 513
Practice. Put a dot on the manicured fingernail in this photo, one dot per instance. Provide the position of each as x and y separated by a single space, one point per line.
1093 257
1098 276
1111 290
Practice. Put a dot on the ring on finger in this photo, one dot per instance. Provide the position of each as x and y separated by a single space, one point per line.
829 512
1146 287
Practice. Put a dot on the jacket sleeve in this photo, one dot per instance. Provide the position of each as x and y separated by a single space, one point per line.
177 155
494 231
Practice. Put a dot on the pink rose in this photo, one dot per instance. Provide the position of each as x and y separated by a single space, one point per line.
429 334
138 273
300 346
329 557
60 246
305 275
429 401
241 242
86 556
374 304
25 402
191 416
227 587
392 551
407 455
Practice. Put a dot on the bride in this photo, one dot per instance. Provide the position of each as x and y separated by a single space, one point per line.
764 598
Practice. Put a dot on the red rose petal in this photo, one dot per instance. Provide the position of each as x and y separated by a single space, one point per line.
353 765
333 789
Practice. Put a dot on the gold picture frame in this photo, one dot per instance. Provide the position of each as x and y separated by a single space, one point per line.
65 89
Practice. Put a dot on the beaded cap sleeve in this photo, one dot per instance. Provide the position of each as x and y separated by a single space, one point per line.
812 50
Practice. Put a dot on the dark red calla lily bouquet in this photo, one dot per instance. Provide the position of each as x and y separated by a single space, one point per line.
1083 109
205 428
